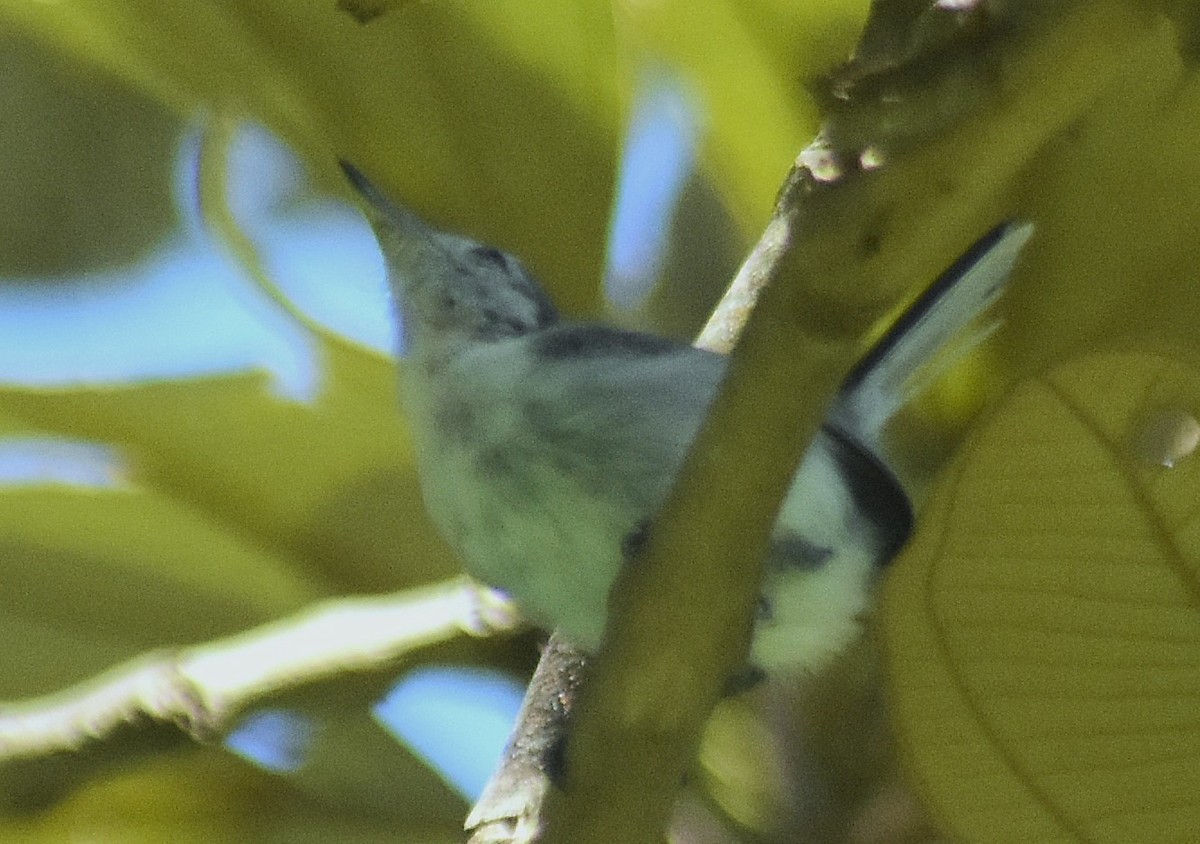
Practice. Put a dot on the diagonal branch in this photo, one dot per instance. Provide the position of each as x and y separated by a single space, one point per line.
510 809
855 238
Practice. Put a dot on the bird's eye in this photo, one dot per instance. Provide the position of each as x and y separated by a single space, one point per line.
491 255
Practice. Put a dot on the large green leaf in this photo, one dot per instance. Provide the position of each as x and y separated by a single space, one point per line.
1044 626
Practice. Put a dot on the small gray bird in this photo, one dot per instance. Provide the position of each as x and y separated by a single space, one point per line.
544 445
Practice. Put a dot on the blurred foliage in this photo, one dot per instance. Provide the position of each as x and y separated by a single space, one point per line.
58 108
503 120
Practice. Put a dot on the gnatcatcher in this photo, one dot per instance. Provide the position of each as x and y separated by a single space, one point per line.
543 445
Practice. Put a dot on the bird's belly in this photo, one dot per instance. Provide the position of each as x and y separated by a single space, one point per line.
537 534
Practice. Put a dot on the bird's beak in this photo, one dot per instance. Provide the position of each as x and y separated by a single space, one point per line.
386 216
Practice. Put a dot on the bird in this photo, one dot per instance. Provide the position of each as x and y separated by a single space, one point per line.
544 445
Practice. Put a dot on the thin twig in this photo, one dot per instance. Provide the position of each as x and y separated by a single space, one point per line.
509 810
198 691
721 331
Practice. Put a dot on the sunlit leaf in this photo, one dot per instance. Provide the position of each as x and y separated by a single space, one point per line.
1044 626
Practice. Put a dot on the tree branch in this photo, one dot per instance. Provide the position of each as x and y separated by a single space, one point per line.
198 692
894 197
509 810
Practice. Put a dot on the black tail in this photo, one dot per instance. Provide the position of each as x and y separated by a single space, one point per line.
880 384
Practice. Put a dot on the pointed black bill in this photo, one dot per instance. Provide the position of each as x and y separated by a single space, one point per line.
385 214
362 184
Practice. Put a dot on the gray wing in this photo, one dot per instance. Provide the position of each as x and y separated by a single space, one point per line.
620 408
579 432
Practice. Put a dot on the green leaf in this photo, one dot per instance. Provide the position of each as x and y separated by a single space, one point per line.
1043 628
